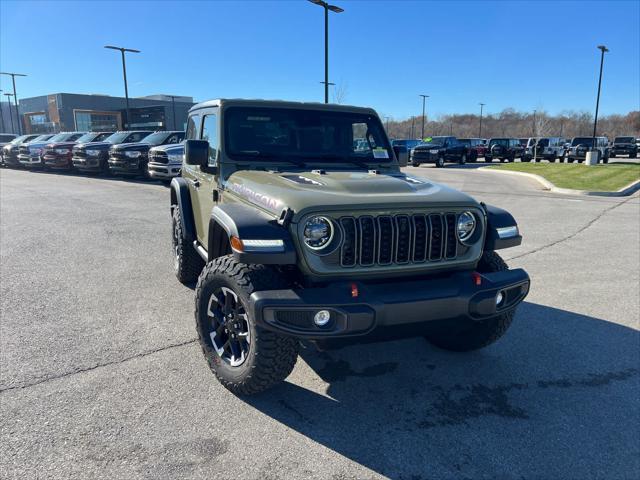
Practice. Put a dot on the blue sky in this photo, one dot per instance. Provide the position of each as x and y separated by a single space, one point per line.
525 55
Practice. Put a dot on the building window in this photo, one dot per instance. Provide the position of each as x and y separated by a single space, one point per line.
87 121
37 122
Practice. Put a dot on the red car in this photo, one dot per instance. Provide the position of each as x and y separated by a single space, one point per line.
58 154
477 147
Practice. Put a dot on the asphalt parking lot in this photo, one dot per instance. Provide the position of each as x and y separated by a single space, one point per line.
101 376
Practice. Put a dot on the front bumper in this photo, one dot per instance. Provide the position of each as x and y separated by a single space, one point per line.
30 161
403 309
624 151
423 157
87 163
127 166
55 160
163 170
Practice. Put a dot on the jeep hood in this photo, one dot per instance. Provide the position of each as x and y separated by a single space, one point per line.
341 190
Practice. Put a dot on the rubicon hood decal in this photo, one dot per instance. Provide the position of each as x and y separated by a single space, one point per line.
272 204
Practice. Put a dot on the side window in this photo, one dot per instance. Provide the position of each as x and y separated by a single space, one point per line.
210 133
193 127
172 139
75 136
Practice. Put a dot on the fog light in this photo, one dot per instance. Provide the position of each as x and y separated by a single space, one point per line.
322 318
499 298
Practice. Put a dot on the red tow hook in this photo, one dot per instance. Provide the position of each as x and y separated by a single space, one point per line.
477 278
354 290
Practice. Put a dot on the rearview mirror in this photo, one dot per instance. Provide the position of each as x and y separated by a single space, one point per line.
196 152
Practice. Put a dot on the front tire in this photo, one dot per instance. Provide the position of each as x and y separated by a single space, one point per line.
187 263
477 334
463 159
245 358
440 162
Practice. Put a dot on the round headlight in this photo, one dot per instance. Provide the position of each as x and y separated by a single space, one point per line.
318 232
466 225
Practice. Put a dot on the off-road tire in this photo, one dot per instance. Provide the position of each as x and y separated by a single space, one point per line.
477 334
271 357
415 164
187 262
613 155
440 162
632 155
488 159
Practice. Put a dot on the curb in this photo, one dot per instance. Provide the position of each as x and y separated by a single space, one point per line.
547 185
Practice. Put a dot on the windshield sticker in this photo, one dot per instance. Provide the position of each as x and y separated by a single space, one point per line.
380 152
264 200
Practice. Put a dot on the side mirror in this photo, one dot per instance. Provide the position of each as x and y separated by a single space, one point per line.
196 152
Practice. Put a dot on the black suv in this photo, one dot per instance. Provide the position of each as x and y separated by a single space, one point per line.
94 156
132 158
504 149
624 146
439 150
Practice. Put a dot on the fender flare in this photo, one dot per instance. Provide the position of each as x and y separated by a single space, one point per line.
246 223
498 220
181 199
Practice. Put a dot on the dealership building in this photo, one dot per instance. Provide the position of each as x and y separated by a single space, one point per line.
60 112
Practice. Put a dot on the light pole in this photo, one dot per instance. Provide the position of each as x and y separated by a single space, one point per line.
603 49
335 9
424 99
327 85
9 95
480 129
15 97
386 124
533 129
124 74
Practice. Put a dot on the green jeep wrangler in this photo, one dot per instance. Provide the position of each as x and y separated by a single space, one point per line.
298 225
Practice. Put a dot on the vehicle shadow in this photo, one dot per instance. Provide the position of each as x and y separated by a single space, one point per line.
556 398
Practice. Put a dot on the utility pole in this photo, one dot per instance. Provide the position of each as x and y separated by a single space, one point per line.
124 74
480 129
413 121
9 95
424 99
603 49
335 9
15 97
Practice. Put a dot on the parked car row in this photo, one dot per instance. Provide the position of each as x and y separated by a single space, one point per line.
155 155
442 149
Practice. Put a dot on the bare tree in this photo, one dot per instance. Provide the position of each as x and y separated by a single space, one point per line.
340 91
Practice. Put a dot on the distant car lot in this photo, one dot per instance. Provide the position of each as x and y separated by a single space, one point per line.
102 378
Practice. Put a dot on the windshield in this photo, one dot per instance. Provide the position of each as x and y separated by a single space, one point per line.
304 135
42 138
543 142
20 139
61 137
578 140
434 141
465 141
92 137
116 137
499 141
156 138
624 140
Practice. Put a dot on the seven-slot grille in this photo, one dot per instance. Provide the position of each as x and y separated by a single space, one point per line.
398 239
158 157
